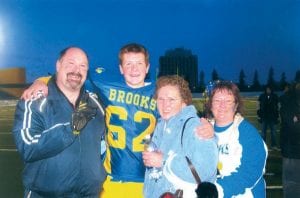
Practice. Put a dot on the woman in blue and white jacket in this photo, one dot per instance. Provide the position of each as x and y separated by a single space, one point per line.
242 151
169 169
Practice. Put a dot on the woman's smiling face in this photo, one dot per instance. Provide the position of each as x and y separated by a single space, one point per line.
169 101
223 107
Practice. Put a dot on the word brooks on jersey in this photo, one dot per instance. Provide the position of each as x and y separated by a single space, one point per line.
131 98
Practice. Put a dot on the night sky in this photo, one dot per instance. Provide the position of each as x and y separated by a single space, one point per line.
226 35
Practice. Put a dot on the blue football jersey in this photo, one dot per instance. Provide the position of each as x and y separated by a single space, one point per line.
130 115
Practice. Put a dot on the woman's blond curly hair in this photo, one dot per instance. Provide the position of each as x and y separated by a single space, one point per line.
176 81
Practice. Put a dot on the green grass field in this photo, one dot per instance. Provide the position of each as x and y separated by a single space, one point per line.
11 165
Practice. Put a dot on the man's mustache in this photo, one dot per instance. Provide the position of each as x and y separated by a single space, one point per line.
74 74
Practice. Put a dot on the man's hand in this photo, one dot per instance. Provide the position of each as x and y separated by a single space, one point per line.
36 90
205 130
81 116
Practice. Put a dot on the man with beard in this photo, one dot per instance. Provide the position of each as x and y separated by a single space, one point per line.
58 136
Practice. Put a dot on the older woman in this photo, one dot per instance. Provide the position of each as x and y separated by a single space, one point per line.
242 152
173 143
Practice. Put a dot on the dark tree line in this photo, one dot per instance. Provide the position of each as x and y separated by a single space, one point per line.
255 85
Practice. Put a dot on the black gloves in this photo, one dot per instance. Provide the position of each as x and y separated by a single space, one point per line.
82 115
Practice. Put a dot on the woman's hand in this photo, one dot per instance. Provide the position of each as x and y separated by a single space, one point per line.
153 159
